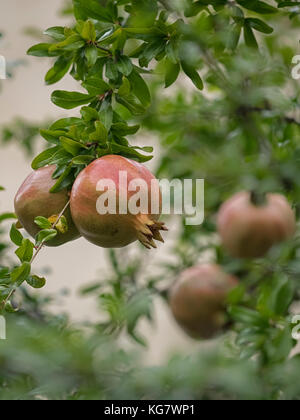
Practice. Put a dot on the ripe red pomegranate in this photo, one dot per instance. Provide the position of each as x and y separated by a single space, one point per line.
34 199
198 300
248 230
115 230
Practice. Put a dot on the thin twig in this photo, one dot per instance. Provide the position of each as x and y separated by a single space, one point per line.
103 49
40 247
8 298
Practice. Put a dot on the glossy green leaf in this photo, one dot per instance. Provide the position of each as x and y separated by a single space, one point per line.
46 235
71 146
42 222
15 235
140 88
25 251
192 73
44 158
249 36
56 32
124 65
259 25
172 73
70 100
92 9
21 273
36 282
58 71
96 86
40 50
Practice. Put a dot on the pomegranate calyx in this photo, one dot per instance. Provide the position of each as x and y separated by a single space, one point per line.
149 230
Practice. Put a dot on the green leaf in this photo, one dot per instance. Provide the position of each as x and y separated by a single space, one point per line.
249 36
42 222
144 12
124 65
172 50
61 157
131 104
46 235
56 32
59 70
275 296
7 216
258 6
41 50
234 36
89 114
140 88
288 4
71 146
123 129
72 43
25 252
9 308
4 273
92 9
70 100
44 158
20 274
52 136
96 86
65 123
246 316
106 117
36 282
259 25
91 54
101 134
64 181
88 31
194 9
125 88
15 235
192 73
280 347
146 149
151 51
83 159
111 70
172 73
110 37
129 152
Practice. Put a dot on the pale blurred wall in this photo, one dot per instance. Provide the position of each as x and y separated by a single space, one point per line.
27 96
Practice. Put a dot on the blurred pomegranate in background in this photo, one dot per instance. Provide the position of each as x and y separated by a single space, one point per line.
198 300
249 229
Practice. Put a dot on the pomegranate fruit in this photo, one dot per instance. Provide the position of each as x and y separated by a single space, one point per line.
198 300
34 199
248 230
115 229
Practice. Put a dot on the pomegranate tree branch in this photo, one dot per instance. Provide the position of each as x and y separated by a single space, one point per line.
40 247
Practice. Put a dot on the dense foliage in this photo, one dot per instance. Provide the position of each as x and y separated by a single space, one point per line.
236 126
